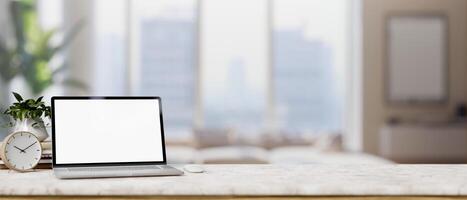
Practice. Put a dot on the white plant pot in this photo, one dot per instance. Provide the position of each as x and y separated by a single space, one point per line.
34 126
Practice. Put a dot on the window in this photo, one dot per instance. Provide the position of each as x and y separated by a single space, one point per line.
309 61
166 44
247 61
50 13
233 62
111 55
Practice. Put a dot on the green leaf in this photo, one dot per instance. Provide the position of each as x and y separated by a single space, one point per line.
70 35
3 46
28 109
61 68
18 97
43 49
75 83
16 12
30 102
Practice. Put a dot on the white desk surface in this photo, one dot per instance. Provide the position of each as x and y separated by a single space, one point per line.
284 180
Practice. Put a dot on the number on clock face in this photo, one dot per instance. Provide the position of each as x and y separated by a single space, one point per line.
22 151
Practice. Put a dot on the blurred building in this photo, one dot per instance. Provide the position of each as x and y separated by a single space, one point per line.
238 105
306 94
168 67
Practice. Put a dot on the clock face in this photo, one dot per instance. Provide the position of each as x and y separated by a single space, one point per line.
21 151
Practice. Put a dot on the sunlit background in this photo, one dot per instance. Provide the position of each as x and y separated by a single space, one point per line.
253 81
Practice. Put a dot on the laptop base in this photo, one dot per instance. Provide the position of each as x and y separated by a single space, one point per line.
115 171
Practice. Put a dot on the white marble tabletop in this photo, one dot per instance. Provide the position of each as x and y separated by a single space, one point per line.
257 180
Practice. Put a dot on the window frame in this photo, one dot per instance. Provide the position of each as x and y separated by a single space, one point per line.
352 111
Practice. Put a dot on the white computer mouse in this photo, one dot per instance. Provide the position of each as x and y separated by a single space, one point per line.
193 168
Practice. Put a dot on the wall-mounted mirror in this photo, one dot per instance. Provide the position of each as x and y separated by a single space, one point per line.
417 59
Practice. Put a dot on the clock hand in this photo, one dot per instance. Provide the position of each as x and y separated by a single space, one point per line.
29 146
20 150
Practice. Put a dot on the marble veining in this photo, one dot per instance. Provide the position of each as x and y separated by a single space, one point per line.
257 180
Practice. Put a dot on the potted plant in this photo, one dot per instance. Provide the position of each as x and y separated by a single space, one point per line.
28 115
28 52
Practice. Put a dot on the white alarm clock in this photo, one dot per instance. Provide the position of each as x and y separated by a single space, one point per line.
21 151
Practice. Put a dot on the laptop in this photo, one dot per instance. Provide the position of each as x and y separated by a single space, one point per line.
94 137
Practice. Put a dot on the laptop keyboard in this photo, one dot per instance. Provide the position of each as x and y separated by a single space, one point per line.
119 168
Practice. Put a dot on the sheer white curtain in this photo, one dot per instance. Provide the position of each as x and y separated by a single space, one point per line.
111 53
80 53
97 56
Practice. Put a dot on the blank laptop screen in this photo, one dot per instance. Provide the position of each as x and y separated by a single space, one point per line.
107 131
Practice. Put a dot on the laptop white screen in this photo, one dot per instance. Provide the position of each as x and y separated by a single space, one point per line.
107 131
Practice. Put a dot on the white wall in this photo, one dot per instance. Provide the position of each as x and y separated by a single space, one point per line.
375 111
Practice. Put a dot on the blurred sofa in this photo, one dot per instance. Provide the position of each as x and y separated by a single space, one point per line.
227 146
